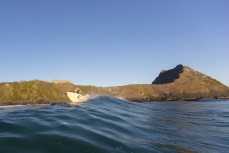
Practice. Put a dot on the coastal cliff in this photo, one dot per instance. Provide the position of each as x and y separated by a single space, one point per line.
179 83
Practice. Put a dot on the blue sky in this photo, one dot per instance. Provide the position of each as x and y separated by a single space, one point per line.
112 42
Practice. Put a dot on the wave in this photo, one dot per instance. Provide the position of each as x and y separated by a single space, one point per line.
108 124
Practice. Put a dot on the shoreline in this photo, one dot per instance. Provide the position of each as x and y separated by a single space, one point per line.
33 102
54 102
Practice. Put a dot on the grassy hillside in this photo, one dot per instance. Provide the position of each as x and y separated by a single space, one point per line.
180 83
36 91
33 90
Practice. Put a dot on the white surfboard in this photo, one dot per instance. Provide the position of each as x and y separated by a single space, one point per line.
76 98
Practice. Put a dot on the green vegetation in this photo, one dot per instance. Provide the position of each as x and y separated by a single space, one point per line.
188 85
92 90
33 90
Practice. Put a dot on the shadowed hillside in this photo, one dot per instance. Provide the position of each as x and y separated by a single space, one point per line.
169 76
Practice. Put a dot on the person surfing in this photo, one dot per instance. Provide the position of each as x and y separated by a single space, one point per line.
77 90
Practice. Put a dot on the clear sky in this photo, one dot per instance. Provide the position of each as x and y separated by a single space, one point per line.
112 42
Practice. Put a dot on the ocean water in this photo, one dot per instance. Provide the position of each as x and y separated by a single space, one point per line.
105 124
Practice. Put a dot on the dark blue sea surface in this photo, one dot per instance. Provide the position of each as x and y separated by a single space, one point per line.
105 124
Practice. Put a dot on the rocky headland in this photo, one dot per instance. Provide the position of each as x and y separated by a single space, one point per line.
180 83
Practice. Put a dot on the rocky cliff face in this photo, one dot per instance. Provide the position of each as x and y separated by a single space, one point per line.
183 82
170 75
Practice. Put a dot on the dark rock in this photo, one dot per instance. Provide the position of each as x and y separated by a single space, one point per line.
169 76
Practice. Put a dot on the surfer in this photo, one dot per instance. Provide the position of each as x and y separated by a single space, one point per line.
77 90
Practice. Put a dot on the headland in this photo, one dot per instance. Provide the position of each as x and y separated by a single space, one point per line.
178 84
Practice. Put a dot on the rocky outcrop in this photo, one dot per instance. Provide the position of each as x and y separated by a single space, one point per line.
184 83
179 83
169 76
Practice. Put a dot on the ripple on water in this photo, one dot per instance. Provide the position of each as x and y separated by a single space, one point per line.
105 124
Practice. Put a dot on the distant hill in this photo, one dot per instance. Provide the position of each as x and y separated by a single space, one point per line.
179 83
183 82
